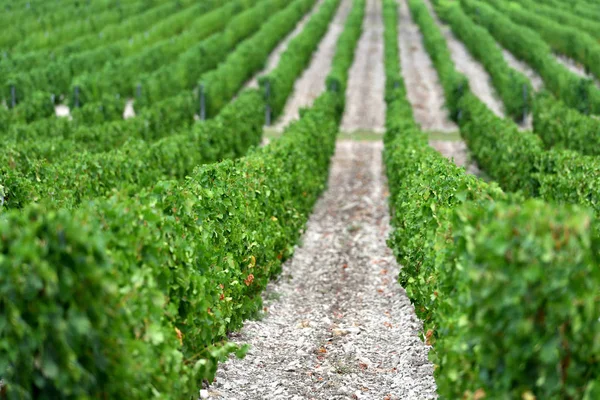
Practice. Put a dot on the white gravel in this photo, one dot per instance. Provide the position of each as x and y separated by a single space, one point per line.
312 82
276 54
479 80
575 67
365 94
423 87
338 325
536 81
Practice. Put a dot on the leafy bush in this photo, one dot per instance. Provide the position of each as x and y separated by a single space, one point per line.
297 56
527 45
562 38
513 87
175 267
344 56
498 281
563 127
135 164
519 314
453 83
250 56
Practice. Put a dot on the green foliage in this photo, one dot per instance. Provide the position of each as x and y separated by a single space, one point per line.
56 75
297 56
135 164
454 83
118 76
189 261
528 45
513 87
563 16
39 105
109 108
563 127
183 73
250 56
507 288
519 310
562 38
582 9
67 331
344 56
508 155
54 138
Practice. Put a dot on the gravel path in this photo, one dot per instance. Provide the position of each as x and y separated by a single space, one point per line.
312 82
536 81
342 327
423 87
575 68
276 54
479 80
365 94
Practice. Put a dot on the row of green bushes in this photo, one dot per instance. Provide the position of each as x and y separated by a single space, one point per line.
563 127
137 22
40 170
517 160
526 44
29 18
54 138
572 42
136 163
183 74
250 56
344 57
562 17
235 21
139 292
88 131
63 34
498 281
56 76
132 297
581 9
453 83
297 56
513 87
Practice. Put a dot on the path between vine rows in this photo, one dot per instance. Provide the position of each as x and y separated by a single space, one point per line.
338 325
278 51
424 90
479 80
365 94
312 82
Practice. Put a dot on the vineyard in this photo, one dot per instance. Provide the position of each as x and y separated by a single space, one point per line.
300 199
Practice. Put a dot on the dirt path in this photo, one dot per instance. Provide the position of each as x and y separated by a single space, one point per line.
276 54
365 94
575 68
342 327
479 80
536 81
423 87
312 82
